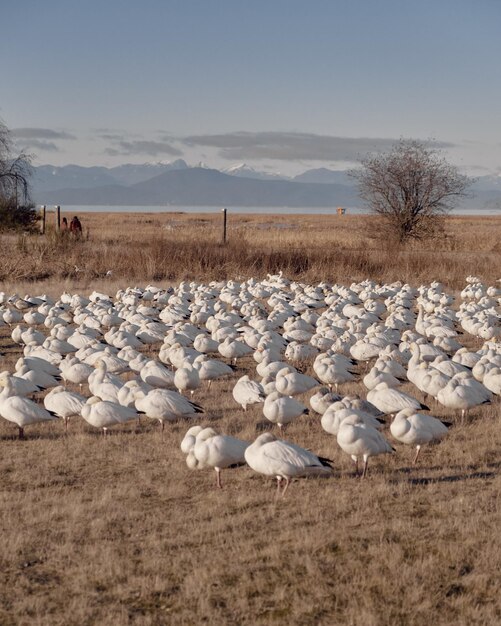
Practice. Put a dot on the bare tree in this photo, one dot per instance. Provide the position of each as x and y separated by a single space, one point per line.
16 210
15 172
411 188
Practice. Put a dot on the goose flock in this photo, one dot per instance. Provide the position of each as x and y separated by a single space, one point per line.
286 347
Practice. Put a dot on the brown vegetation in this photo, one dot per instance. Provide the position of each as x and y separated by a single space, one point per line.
171 247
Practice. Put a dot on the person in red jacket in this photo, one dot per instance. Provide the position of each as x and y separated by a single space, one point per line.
76 227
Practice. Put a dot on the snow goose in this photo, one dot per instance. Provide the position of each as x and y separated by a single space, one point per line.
416 429
187 379
189 439
131 391
332 374
359 440
157 375
17 334
247 391
233 349
203 343
20 386
103 414
338 412
38 377
20 410
389 400
376 376
463 393
211 369
39 364
284 460
492 380
448 367
64 403
354 402
74 371
102 384
33 336
166 406
294 383
219 451
322 399
300 352
282 410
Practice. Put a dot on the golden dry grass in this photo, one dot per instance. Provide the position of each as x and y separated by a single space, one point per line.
119 531
178 246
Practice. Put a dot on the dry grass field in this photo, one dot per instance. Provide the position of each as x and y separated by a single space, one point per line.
145 247
118 531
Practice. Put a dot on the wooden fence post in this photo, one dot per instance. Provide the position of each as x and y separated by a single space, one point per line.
42 219
58 217
224 225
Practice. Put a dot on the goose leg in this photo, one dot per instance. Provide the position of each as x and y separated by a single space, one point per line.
287 482
21 432
364 473
417 454
218 478
66 425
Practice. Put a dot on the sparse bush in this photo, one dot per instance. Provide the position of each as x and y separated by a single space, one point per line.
14 217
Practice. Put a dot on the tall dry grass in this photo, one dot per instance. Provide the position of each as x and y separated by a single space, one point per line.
183 246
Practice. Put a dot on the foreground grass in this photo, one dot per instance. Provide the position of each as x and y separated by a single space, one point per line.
119 531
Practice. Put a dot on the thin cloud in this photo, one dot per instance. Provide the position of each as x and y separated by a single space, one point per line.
150 148
292 146
38 144
41 133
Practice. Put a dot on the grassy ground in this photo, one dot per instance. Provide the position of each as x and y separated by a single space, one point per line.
119 531
131 247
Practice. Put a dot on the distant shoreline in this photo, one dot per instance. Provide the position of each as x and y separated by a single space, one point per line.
243 210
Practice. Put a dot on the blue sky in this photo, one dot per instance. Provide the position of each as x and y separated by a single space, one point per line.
280 84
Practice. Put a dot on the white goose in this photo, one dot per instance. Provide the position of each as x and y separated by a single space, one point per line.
492 380
463 392
186 379
338 412
211 369
102 384
294 383
389 400
20 410
219 451
64 403
20 386
284 460
188 442
74 371
359 440
282 410
157 375
247 391
166 406
103 414
416 429
322 399
37 377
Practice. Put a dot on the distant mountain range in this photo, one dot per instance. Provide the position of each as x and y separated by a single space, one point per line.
178 184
